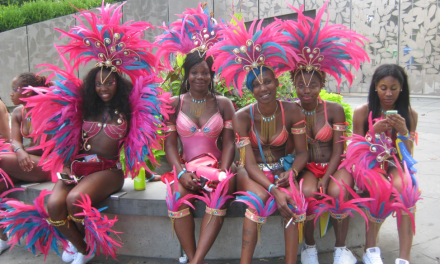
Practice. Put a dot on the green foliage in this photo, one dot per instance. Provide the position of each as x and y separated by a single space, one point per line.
20 13
338 99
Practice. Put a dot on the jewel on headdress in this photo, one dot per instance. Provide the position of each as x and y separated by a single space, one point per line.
114 69
107 40
121 44
193 37
203 46
257 48
212 33
247 68
255 65
98 44
249 42
204 30
236 50
108 63
311 56
116 36
87 42
118 62
206 36
101 55
196 42
125 53
113 49
308 50
243 49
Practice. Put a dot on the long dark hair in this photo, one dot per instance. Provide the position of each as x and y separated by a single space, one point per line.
94 106
191 60
402 104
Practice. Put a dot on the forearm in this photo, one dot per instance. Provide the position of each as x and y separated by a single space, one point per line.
173 157
300 161
227 156
257 175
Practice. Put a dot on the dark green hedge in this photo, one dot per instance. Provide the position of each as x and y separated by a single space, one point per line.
19 14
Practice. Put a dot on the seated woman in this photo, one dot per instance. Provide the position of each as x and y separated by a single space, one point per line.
263 128
5 131
91 121
328 54
389 90
21 163
201 121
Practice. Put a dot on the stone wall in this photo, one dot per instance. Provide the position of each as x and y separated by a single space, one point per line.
406 32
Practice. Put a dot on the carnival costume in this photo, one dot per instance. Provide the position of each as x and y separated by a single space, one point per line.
57 111
243 55
322 49
195 32
368 159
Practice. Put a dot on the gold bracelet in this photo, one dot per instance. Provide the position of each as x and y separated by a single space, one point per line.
78 220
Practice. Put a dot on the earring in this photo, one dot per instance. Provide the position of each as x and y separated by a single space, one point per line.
186 85
375 90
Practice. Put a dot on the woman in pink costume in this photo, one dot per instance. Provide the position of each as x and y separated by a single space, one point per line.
323 50
20 162
389 90
263 129
202 123
90 122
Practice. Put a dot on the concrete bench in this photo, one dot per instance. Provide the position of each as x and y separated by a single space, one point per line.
147 229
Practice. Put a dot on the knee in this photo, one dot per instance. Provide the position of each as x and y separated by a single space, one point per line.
309 191
56 207
72 198
334 191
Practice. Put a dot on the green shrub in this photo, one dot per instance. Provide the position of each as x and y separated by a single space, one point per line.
16 15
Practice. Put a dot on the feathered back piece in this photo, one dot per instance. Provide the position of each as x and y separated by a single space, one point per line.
327 48
30 222
109 43
57 111
367 156
241 51
150 107
196 31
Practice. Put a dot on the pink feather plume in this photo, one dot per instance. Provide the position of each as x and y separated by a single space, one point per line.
98 229
301 203
173 199
217 198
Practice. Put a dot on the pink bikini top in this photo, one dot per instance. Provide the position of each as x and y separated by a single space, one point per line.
91 129
197 140
324 134
279 140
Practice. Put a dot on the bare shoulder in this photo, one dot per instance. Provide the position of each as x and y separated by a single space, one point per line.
361 111
290 106
414 118
174 101
17 111
243 113
224 101
334 106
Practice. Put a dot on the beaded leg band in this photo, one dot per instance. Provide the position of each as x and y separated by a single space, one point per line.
257 219
215 212
57 223
178 214
76 220
412 210
374 219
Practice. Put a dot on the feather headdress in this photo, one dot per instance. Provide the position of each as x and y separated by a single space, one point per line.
105 40
241 51
195 31
57 111
327 48
31 222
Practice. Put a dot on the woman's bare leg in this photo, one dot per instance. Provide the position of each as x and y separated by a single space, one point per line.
341 228
309 187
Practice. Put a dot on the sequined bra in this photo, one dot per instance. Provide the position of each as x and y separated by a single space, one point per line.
91 129
324 134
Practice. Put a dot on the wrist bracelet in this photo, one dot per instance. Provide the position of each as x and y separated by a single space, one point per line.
271 186
149 179
16 149
180 174
295 172
404 137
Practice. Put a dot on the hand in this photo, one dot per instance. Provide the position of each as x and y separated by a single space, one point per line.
283 199
67 171
190 181
24 160
398 123
324 184
382 126
283 179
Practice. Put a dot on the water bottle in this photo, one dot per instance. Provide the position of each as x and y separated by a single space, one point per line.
139 180
210 173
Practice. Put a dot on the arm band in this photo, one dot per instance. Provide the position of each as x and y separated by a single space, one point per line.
228 125
340 127
404 137
170 128
298 131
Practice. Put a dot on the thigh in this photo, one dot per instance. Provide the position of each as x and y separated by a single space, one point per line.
310 183
245 184
9 164
98 186
56 204
397 179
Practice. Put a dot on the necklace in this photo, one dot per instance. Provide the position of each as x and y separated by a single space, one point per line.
310 116
197 106
268 124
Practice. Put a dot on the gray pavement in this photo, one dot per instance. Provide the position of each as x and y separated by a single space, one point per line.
426 244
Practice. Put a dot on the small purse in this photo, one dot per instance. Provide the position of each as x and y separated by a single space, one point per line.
287 161
205 159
